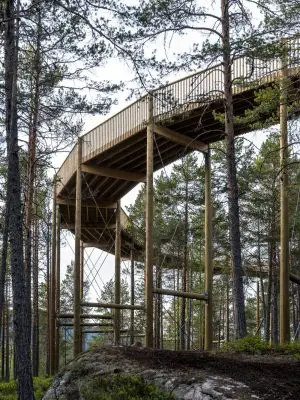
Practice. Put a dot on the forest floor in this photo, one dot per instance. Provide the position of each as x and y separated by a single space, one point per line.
270 376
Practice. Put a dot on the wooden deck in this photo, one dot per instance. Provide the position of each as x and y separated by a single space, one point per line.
114 153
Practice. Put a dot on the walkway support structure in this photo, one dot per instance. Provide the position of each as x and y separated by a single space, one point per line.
57 290
77 308
149 227
53 285
117 311
208 254
132 297
284 218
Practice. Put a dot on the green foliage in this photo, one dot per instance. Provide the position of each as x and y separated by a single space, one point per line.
256 345
8 390
122 388
249 344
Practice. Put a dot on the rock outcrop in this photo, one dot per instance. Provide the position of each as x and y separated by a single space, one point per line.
185 383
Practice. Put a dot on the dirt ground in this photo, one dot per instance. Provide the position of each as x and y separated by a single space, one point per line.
270 376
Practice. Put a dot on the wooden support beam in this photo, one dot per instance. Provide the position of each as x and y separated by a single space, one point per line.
284 218
149 227
208 329
77 307
295 278
57 292
86 316
87 324
101 246
113 173
87 203
179 293
53 284
100 225
179 138
81 278
117 314
132 296
113 305
102 331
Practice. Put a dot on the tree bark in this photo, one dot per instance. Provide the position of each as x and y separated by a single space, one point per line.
20 300
240 328
35 302
3 265
183 331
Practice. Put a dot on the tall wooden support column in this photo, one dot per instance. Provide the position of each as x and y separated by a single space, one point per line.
77 308
149 227
57 291
81 284
132 297
284 234
208 253
52 332
257 308
117 322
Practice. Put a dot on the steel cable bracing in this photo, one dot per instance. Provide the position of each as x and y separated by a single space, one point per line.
96 290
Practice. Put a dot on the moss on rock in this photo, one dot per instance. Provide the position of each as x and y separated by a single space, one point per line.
122 388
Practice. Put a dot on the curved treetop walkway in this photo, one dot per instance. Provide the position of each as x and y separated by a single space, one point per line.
114 153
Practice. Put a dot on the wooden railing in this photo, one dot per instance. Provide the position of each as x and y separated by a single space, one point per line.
176 98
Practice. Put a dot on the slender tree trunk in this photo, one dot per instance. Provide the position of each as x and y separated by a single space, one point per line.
3 264
227 310
183 331
7 353
269 295
20 300
275 292
48 250
158 302
3 346
233 194
31 164
35 302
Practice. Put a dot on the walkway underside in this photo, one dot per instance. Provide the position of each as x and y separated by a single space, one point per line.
110 174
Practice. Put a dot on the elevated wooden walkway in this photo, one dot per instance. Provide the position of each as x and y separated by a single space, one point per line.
114 153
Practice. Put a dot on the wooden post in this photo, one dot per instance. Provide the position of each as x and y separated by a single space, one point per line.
132 297
48 279
57 291
53 287
257 308
77 308
149 228
284 234
81 283
117 312
208 254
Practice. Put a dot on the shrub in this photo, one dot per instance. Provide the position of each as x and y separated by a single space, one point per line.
8 390
122 388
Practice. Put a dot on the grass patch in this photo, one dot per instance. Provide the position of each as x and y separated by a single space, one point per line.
8 390
122 388
256 345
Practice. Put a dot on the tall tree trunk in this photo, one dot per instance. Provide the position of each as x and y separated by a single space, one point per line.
20 300
183 332
233 195
269 295
158 302
31 163
3 264
35 301
275 292
7 330
48 250
3 346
